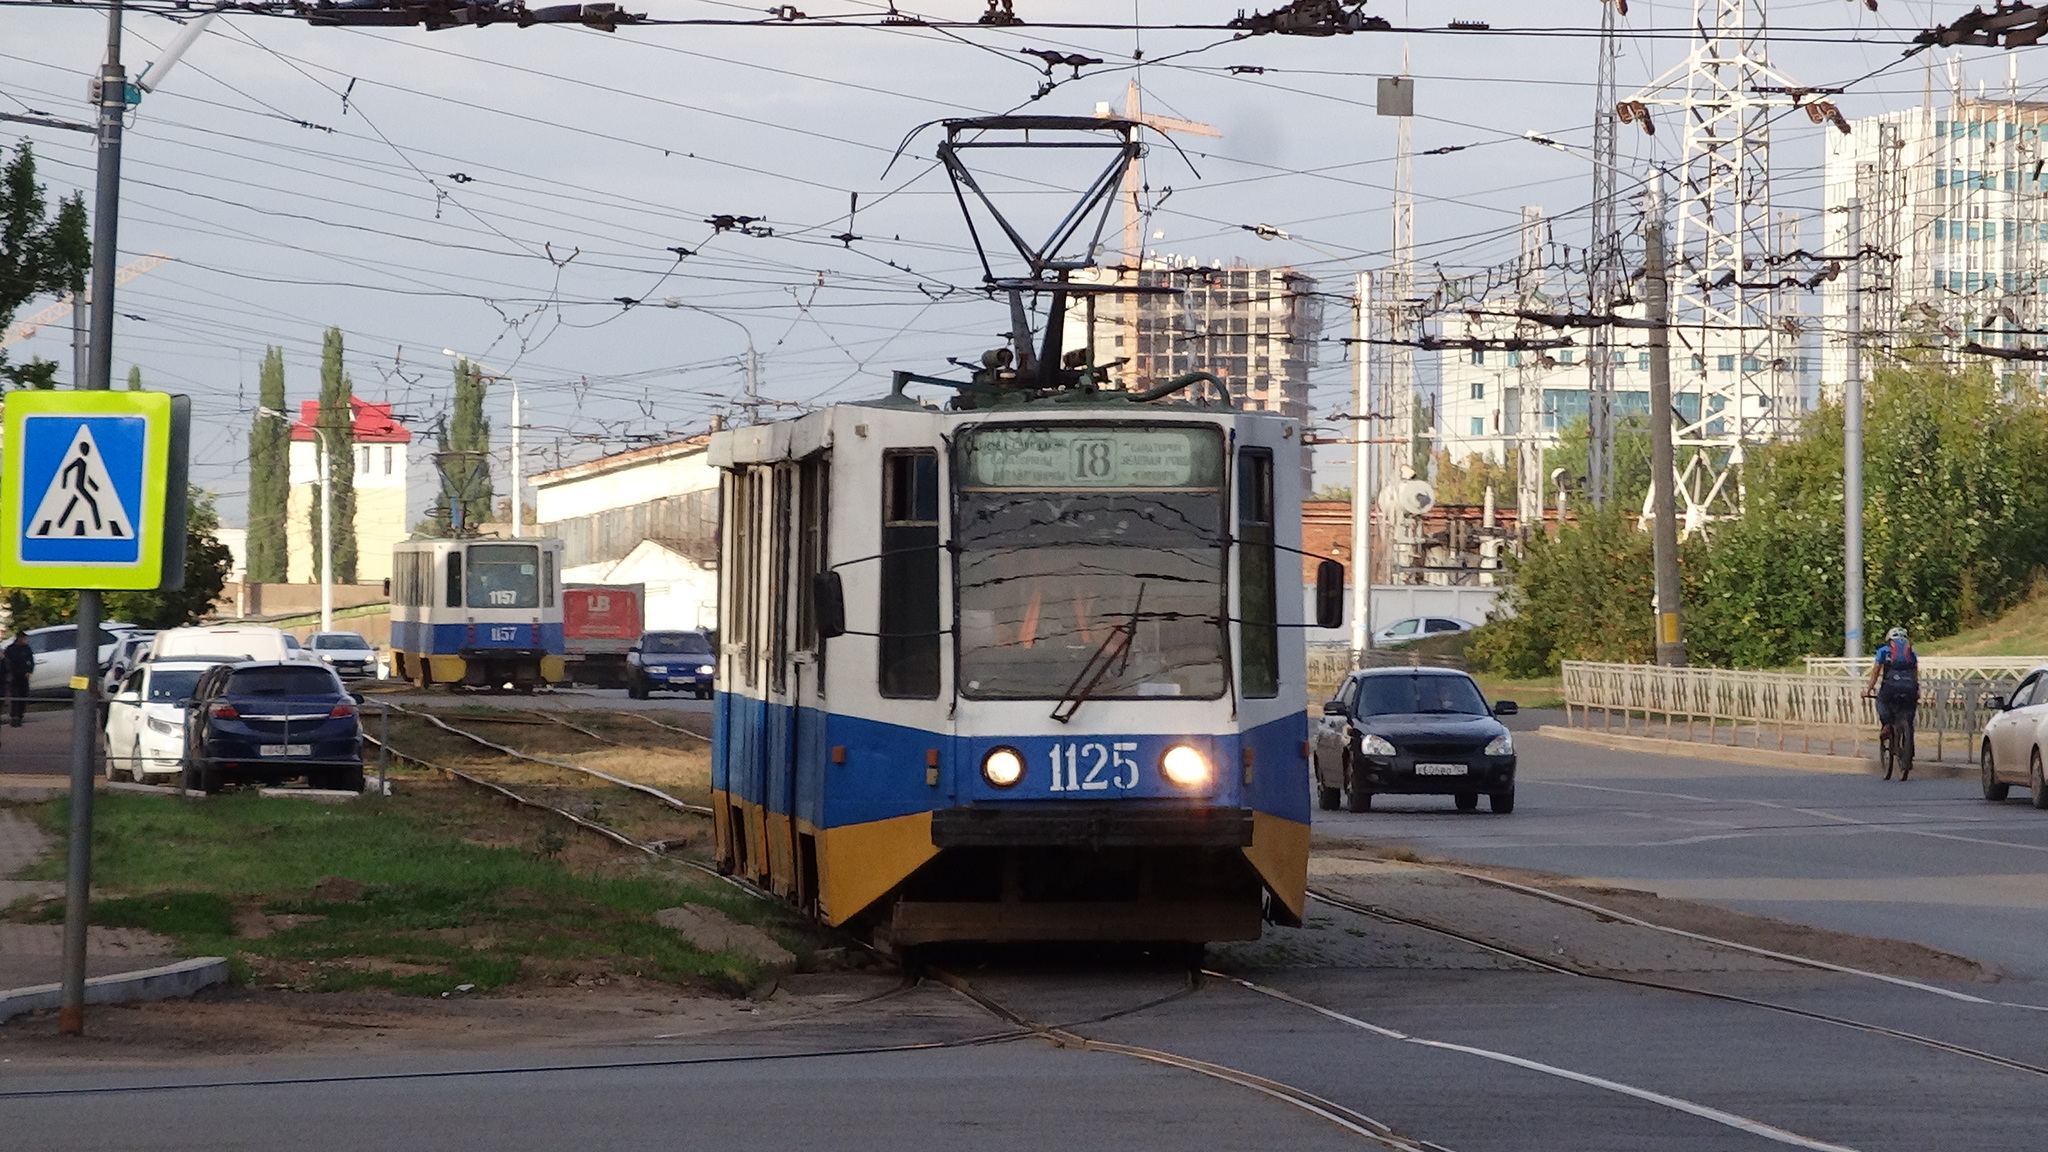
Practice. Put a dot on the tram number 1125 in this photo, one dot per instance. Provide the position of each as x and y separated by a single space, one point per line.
1094 767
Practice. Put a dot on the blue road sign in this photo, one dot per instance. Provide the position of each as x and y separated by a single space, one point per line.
82 489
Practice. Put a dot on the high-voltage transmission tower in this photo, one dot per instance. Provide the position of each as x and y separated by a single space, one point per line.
1733 377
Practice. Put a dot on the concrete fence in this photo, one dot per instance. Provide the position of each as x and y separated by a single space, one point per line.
1791 710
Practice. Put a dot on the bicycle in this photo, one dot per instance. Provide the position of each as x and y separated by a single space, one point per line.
1895 744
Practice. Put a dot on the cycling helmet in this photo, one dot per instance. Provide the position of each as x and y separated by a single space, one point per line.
1896 634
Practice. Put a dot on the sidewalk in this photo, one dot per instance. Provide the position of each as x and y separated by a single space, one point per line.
40 747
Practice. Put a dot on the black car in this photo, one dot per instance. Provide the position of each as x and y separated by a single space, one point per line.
1413 731
269 721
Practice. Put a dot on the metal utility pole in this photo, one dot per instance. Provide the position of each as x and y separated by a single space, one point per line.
1362 449
518 470
1605 251
323 457
753 404
1663 477
1529 284
1400 389
1852 447
85 713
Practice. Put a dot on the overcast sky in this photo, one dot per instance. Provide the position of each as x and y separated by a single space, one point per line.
497 190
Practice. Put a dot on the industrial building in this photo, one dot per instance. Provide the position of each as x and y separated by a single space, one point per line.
646 516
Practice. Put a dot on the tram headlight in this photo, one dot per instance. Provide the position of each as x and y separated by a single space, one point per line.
1002 767
1184 766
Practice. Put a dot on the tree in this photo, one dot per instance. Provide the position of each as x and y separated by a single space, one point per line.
135 377
269 473
39 254
335 428
463 459
207 564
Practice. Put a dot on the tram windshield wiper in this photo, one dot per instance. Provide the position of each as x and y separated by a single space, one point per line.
1115 649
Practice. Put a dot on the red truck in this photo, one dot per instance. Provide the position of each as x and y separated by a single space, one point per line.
600 622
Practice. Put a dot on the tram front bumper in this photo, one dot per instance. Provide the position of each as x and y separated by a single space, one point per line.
1088 824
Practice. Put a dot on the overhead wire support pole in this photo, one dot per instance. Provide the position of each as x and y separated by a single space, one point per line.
1362 449
1852 448
1604 251
113 105
1663 477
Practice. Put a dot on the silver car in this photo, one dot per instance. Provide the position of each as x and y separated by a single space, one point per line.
2014 742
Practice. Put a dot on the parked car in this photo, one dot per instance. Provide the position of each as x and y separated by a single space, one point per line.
269 721
145 729
56 649
1409 731
345 652
1416 627
131 649
670 662
244 641
2014 743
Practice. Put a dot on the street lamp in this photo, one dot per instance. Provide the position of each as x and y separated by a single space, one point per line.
518 472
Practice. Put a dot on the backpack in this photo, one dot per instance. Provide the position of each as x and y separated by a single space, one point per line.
1900 667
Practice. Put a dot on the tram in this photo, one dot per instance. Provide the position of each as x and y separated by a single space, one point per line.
1024 672
477 613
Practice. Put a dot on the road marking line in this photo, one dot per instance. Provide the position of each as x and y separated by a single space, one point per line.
1814 812
1705 1112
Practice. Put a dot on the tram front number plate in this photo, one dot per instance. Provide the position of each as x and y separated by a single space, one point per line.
1440 769
307 750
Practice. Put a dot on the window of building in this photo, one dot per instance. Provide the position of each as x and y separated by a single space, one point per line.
387 459
1479 356
1941 229
1479 389
1643 361
1514 359
1564 356
1258 598
1724 363
1752 364
363 463
910 574
1478 426
1699 363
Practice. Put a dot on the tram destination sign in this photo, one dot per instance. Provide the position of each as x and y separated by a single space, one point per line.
1093 456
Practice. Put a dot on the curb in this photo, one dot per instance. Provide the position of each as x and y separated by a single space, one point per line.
161 983
1762 757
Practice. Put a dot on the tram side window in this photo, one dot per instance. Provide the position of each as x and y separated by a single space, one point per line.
454 579
547 578
814 482
1257 592
910 574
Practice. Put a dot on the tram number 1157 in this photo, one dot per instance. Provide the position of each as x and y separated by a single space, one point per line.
1094 767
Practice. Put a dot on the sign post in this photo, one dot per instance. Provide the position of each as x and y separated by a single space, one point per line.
92 497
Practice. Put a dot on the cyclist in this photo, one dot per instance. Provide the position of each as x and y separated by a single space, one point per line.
1898 666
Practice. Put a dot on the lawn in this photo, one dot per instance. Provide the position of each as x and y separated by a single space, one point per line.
423 892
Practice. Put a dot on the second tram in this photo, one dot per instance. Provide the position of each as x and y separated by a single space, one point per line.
477 613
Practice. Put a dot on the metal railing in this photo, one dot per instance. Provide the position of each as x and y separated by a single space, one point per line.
1791 710
1947 667
1328 664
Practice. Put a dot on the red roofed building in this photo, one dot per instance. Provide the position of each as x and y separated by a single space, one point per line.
380 446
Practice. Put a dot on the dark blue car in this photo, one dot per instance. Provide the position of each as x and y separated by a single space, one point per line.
671 662
269 721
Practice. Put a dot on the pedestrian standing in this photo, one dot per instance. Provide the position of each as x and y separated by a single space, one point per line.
17 660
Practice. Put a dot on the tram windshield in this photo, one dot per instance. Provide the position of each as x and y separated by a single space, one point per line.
1086 544
504 576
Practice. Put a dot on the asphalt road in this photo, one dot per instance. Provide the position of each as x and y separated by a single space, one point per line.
1926 860
1395 1029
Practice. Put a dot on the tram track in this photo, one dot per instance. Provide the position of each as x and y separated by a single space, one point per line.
1551 965
552 762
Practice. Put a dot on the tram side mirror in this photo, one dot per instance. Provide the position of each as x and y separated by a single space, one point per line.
828 604
1329 594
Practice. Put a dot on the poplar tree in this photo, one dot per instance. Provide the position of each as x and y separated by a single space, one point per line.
269 473
464 456
135 377
335 427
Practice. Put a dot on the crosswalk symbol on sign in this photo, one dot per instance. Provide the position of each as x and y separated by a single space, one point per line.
81 502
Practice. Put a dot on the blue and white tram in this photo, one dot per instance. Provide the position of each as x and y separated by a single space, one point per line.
1051 683
479 613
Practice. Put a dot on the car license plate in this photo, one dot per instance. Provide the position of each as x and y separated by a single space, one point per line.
1441 769
303 750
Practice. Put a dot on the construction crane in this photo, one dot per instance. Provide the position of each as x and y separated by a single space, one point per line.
62 308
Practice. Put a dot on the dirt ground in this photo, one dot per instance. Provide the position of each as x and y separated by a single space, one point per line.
228 1025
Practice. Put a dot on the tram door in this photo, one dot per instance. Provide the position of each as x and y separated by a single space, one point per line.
778 743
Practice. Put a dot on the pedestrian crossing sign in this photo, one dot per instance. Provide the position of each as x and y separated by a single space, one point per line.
92 490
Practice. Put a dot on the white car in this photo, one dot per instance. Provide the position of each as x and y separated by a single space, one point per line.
2014 742
145 733
1416 627
56 649
131 649
350 655
240 641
